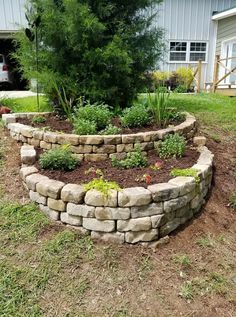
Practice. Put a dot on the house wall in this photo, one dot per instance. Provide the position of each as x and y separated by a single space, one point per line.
226 31
190 20
12 16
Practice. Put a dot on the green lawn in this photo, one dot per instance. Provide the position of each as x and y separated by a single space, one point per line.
27 104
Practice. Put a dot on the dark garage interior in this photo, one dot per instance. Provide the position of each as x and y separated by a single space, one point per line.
6 48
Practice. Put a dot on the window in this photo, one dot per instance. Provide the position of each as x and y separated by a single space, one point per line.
197 51
178 51
188 51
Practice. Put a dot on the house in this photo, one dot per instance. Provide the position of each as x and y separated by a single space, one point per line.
199 30
195 30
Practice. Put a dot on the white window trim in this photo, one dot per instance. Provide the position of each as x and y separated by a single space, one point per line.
187 61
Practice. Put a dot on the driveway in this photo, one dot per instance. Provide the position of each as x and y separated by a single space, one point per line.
16 94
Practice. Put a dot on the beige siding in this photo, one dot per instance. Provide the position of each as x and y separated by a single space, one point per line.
226 31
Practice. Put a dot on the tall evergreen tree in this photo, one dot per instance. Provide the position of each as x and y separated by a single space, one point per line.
98 49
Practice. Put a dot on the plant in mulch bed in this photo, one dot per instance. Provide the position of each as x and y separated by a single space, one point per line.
174 146
187 172
102 185
132 160
58 159
38 119
144 178
84 127
95 172
96 113
136 116
110 130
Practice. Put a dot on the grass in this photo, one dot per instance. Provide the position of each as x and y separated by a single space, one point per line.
182 259
27 104
206 241
213 110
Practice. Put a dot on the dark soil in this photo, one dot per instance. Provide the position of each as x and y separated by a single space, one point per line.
126 178
56 123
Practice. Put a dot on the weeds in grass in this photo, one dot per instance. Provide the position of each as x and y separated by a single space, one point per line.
232 201
187 290
145 266
206 241
110 259
182 259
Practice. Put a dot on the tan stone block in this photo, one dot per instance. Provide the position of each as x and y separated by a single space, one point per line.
34 179
115 237
144 236
72 139
50 188
45 145
98 199
104 149
91 139
80 210
73 193
56 204
134 196
112 139
82 149
98 225
108 213
26 171
95 157
71 220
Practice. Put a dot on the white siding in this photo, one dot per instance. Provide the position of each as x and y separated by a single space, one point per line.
226 31
12 15
190 20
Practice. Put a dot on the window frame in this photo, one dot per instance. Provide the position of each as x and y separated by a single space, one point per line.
188 52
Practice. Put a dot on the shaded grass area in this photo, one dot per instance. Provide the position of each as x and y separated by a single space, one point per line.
27 104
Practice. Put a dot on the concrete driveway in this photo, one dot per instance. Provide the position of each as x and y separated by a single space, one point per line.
16 94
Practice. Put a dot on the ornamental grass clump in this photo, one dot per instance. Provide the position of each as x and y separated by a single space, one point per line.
58 159
173 146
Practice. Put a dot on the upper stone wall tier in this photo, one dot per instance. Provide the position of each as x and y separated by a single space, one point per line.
94 147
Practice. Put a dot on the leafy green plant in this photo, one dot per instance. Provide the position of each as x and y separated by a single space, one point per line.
187 172
38 119
185 77
182 259
84 127
136 116
176 116
111 130
157 103
174 146
102 185
181 89
187 290
132 160
98 114
58 159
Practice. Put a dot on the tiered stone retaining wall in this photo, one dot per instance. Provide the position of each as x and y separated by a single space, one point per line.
131 215
93 147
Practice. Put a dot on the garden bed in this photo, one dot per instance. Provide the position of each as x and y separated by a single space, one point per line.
55 123
126 177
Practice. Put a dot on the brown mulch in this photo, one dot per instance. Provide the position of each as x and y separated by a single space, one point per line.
56 123
126 177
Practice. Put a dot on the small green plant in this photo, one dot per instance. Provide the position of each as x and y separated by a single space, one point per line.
181 89
132 160
136 116
58 159
95 172
84 127
38 119
187 290
111 130
174 146
98 114
102 185
182 259
145 267
206 241
187 172
157 103
232 201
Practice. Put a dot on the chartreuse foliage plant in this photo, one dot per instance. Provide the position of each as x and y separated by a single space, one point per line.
102 47
174 146
60 158
102 185
187 172
132 160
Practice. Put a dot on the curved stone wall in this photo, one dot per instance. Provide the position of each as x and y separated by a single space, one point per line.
93 147
131 215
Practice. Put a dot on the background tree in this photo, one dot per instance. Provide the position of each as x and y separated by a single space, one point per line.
93 48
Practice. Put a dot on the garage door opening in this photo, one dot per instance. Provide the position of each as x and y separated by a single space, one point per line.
7 48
